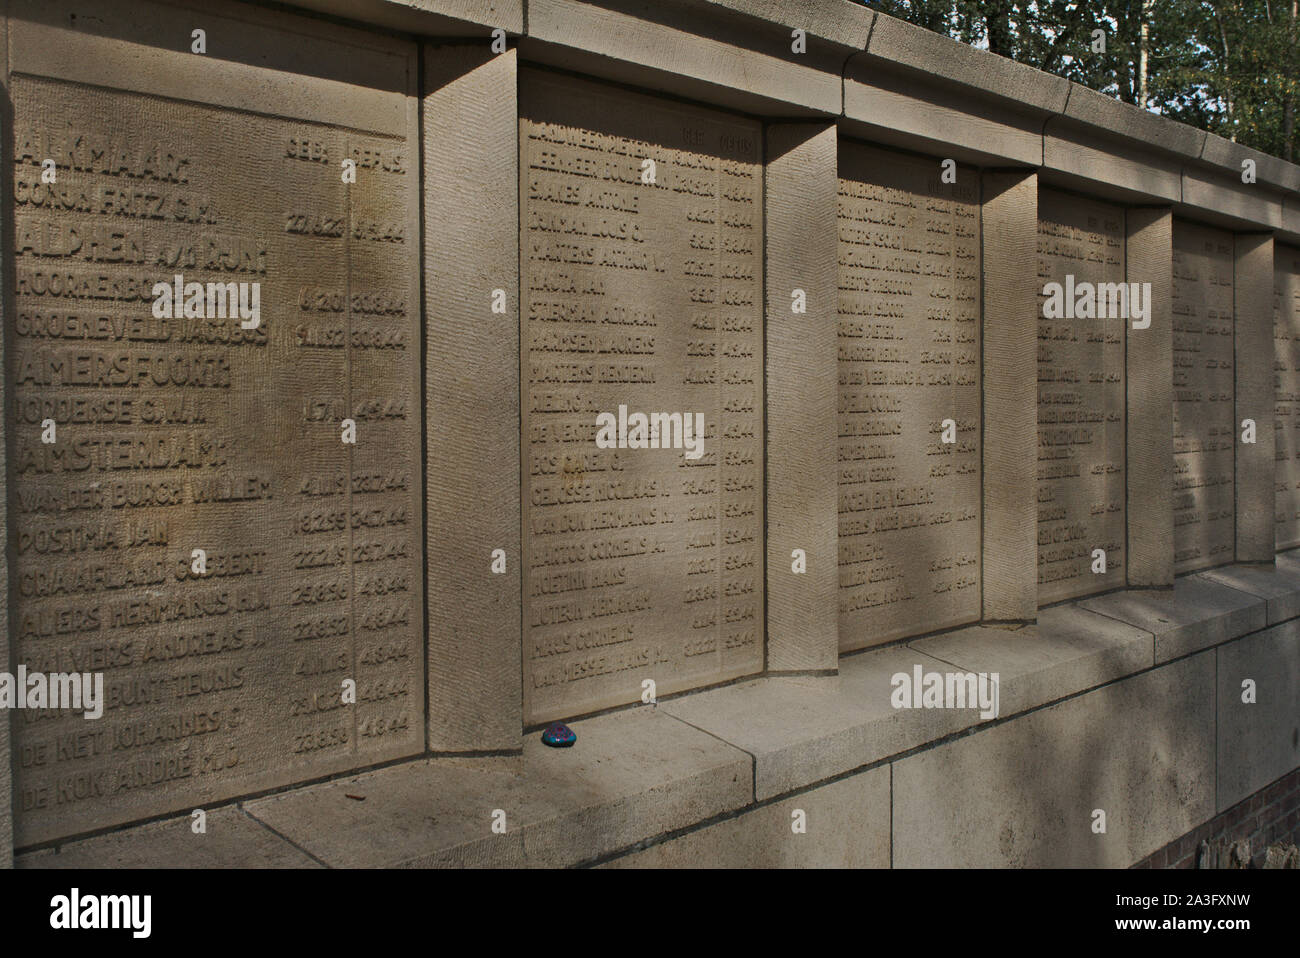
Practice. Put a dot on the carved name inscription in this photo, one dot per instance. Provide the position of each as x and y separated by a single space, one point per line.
1204 383
1080 398
642 277
1286 392
185 431
909 351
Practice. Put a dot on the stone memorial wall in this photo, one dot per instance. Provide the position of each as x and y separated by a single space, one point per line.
909 348
1204 430
642 225
394 390
1080 397
1286 393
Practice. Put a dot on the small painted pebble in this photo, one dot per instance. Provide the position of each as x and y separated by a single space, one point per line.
558 735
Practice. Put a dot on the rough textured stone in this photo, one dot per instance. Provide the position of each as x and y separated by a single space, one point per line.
1258 742
846 25
814 728
688 50
471 217
1286 395
1081 400
909 355
1195 614
441 18
1010 231
1131 172
1254 359
1228 202
6 393
802 379
226 682
1290 228
1205 433
916 49
1278 585
846 822
1022 794
1150 450
232 840
633 775
1119 119
641 564
1268 169
910 111
1067 651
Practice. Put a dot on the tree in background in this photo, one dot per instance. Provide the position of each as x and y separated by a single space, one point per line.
1229 66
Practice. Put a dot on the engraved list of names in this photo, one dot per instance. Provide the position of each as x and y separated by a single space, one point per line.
1204 433
909 350
1286 393
1080 398
186 433
642 274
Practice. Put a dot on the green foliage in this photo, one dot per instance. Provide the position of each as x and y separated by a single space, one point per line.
1228 66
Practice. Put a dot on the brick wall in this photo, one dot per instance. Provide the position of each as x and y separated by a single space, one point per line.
1270 815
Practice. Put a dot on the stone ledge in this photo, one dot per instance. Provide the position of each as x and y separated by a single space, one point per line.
1195 614
703 758
901 45
801 730
1069 650
703 51
1278 585
633 774
232 840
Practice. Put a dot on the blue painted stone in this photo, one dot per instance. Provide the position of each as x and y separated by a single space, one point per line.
558 735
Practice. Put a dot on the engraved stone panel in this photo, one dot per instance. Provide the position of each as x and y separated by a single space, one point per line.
1204 521
909 352
1286 391
187 431
642 286
1081 334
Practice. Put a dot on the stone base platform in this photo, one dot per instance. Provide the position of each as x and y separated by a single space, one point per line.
1129 704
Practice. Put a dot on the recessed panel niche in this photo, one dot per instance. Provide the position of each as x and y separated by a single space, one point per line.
909 396
1286 392
1083 316
198 531
642 275
1204 397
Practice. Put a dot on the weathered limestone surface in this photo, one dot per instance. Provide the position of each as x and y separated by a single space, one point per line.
179 432
909 396
471 132
1081 401
637 773
1010 333
815 727
1253 317
1066 651
643 298
1205 434
1194 615
232 840
1025 794
1150 457
801 385
1259 740
1286 394
845 825
616 211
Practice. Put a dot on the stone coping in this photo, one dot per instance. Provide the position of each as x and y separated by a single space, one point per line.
737 53
639 774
